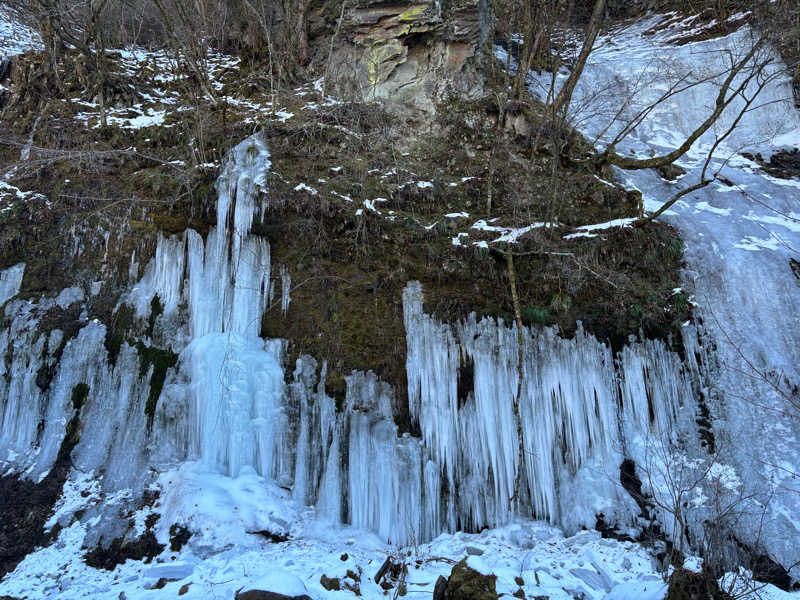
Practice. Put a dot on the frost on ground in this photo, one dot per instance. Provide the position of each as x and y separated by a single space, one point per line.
234 558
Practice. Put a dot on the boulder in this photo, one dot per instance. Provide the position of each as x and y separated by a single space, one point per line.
275 584
465 583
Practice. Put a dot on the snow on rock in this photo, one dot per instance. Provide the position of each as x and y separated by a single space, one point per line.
530 550
15 38
222 511
302 187
277 581
586 230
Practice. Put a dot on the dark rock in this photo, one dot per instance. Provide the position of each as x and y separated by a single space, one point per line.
330 583
686 585
184 589
519 593
146 547
27 505
178 536
162 583
767 570
670 172
343 557
519 581
440 589
784 164
795 266
5 69
354 587
466 583
275 538
353 575
264 595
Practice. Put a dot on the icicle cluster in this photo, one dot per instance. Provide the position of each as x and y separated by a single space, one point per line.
577 406
226 405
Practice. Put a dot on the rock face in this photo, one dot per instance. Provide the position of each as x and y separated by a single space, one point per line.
409 53
466 583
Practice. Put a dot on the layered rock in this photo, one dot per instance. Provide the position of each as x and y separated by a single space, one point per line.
408 54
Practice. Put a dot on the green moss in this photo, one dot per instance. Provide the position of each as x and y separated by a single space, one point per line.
118 331
466 583
161 361
412 13
536 316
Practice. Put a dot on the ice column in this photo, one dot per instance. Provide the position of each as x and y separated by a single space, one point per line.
10 281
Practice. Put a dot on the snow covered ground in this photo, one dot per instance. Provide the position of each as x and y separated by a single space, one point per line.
14 37
547 563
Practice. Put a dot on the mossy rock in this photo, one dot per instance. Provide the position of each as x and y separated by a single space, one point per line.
465 583
687 585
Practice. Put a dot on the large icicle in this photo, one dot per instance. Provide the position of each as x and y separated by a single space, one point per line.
569 407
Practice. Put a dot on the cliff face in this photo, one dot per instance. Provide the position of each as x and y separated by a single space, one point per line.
313 328
408 53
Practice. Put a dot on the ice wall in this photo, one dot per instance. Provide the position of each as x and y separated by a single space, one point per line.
582 410
220 406
226 407
740 231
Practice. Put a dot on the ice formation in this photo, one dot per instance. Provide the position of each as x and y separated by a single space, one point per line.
225 404
740 233
228 409
10 280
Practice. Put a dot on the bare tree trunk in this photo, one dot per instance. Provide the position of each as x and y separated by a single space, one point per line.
724 99
301 31
562 101
512 278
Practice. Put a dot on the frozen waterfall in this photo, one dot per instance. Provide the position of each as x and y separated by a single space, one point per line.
232 406
226 405
740 234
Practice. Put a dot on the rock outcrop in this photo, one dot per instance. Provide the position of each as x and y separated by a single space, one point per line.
407 54
465 583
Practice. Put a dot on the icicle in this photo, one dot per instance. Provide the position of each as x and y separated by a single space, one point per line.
10 282
236 411
286 284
